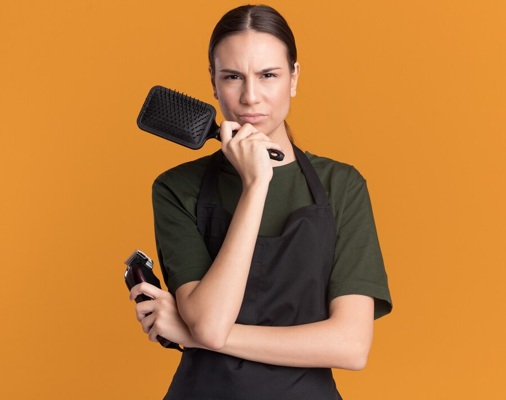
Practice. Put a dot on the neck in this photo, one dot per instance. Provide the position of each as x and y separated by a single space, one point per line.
287 149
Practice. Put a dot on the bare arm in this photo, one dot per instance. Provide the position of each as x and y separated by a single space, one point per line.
210 307
342 341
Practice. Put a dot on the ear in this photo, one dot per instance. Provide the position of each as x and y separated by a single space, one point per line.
294 79
215 93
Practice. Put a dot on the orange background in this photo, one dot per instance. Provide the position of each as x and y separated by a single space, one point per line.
413 93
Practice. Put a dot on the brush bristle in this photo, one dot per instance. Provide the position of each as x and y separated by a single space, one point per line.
177 117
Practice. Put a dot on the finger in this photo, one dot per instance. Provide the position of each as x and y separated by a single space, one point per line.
153 333
245 132
241 137
144 309
226 130
258 136
263 140
145 288
147 323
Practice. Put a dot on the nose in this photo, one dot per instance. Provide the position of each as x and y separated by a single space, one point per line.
250 92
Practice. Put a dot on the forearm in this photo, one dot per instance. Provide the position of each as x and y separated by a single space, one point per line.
342 341
211 306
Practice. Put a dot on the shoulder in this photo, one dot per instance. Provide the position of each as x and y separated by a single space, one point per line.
332 172
180 184
185 173
186 177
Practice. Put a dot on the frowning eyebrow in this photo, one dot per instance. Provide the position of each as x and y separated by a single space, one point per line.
235 72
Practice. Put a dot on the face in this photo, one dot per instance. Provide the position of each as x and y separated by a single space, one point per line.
253 81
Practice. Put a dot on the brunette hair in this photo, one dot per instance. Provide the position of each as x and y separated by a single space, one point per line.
259 18
254 18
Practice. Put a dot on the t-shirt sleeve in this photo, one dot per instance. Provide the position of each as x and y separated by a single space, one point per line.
358 262
181 249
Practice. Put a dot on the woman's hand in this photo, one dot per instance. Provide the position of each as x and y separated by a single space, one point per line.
247 150
160 316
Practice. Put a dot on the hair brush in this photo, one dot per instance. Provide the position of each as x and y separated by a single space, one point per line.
182 119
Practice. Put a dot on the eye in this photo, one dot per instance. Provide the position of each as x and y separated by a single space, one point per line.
269 75
231 77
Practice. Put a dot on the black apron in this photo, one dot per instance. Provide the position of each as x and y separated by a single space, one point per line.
287 285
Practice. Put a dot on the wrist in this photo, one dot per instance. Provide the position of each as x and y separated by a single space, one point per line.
255 187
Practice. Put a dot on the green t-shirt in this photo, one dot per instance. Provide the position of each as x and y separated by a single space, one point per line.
358 264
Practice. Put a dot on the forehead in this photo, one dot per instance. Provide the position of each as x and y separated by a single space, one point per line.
250 47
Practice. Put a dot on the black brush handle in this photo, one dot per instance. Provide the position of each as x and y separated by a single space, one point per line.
276 154
273 154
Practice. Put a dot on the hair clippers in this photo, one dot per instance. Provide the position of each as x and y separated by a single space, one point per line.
140 269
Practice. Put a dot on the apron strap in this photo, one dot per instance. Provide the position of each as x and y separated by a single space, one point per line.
206 200
313 181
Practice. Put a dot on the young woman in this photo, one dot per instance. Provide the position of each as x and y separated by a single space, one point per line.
274 270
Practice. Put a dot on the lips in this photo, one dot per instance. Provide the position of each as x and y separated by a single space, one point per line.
252 118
